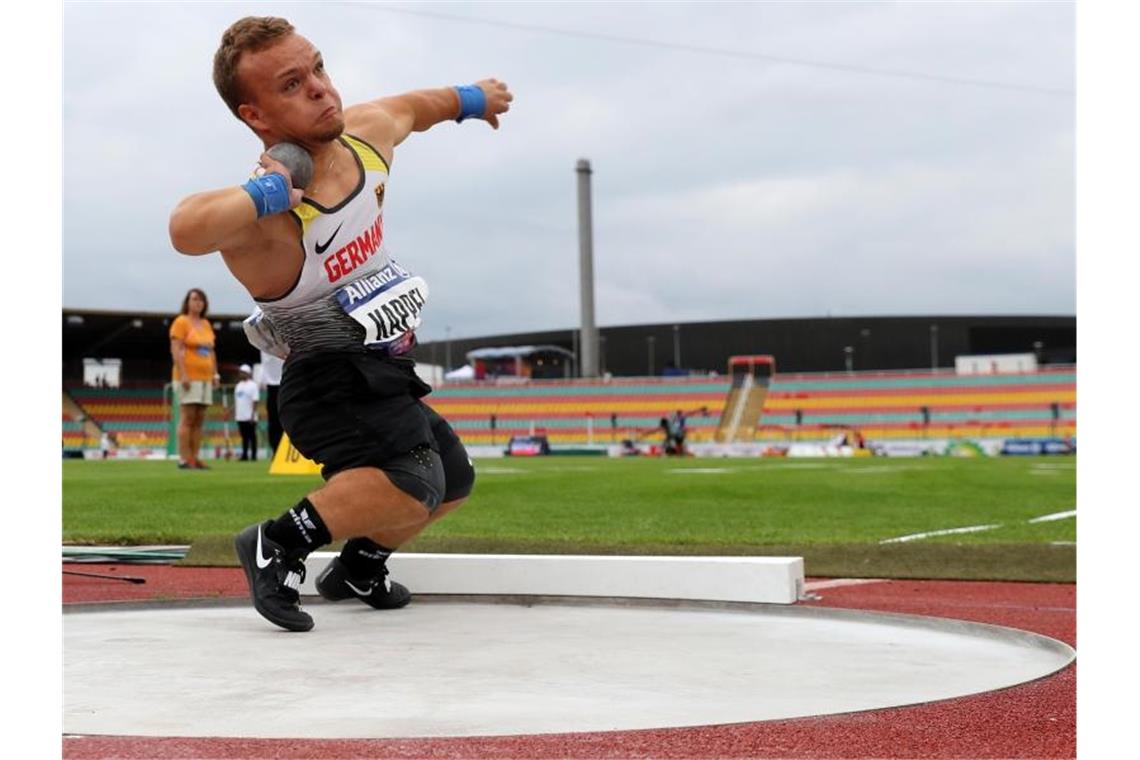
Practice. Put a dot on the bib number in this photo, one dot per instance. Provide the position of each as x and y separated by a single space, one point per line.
387 304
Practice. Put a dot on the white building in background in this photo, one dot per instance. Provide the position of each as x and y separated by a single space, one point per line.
995 364
102 373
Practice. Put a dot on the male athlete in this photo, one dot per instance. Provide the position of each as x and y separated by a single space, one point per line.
333 301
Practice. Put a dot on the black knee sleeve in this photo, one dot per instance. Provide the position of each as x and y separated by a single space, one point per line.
420 474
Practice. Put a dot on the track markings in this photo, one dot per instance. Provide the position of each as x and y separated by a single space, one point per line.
880 468
946 532
701 470
1054 516
978 528
492 470
840 582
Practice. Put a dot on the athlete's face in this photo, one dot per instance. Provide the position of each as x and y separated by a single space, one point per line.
289 95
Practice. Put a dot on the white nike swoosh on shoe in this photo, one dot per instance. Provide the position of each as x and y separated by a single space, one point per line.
262 561
359 591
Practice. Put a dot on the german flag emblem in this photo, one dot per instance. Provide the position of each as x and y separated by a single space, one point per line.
380 195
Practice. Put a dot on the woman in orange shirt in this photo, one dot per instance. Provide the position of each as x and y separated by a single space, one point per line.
195 371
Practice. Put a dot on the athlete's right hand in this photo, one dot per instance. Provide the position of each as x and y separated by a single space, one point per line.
266 164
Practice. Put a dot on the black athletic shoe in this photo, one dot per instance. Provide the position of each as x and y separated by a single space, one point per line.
336 584
274 578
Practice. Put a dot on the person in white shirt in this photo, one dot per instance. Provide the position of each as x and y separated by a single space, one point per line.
246 394
271 367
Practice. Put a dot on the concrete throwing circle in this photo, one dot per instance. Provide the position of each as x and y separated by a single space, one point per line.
477 667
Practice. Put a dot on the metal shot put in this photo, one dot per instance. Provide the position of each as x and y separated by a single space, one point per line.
296 159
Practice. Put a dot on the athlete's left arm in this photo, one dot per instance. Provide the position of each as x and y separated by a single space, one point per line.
391 120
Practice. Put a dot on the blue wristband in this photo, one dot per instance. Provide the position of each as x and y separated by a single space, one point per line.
472 101
270 193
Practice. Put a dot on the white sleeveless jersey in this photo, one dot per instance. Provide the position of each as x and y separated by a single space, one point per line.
350 293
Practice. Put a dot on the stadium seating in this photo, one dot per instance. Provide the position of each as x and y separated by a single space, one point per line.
889 405
580 412
564 411
73 433
140 417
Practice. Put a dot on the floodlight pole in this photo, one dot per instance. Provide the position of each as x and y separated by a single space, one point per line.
447 348
589 342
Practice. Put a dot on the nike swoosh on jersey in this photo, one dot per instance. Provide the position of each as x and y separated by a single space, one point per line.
325 247
262 561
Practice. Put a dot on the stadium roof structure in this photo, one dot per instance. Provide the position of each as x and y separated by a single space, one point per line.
512 352
141 341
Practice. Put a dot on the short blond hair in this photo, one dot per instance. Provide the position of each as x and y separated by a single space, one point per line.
248 35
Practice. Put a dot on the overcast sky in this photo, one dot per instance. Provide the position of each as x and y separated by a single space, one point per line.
740 184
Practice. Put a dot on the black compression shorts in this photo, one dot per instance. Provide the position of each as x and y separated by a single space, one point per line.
348 410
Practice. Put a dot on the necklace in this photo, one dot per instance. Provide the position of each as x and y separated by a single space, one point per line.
328 170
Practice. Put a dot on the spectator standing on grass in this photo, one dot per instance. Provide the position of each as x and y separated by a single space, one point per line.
246 396
195 372
271 367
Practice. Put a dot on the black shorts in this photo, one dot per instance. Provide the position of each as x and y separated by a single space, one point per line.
345 410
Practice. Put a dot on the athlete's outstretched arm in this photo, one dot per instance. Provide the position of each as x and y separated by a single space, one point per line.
213 220
420 110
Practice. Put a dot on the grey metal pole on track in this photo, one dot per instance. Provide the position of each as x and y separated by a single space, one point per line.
589 342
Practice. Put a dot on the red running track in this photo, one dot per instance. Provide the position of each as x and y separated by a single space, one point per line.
1034 720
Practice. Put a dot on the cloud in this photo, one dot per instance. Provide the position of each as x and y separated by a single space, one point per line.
725 186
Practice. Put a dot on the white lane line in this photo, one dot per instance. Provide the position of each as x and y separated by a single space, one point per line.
883 468
976 528
947 532
499 470
838 582
701 471
1054 516
1062 543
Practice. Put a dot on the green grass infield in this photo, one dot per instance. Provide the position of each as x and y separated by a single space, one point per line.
839 514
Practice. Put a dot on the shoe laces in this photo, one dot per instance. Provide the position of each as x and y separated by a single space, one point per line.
291 574
293 580
381 580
